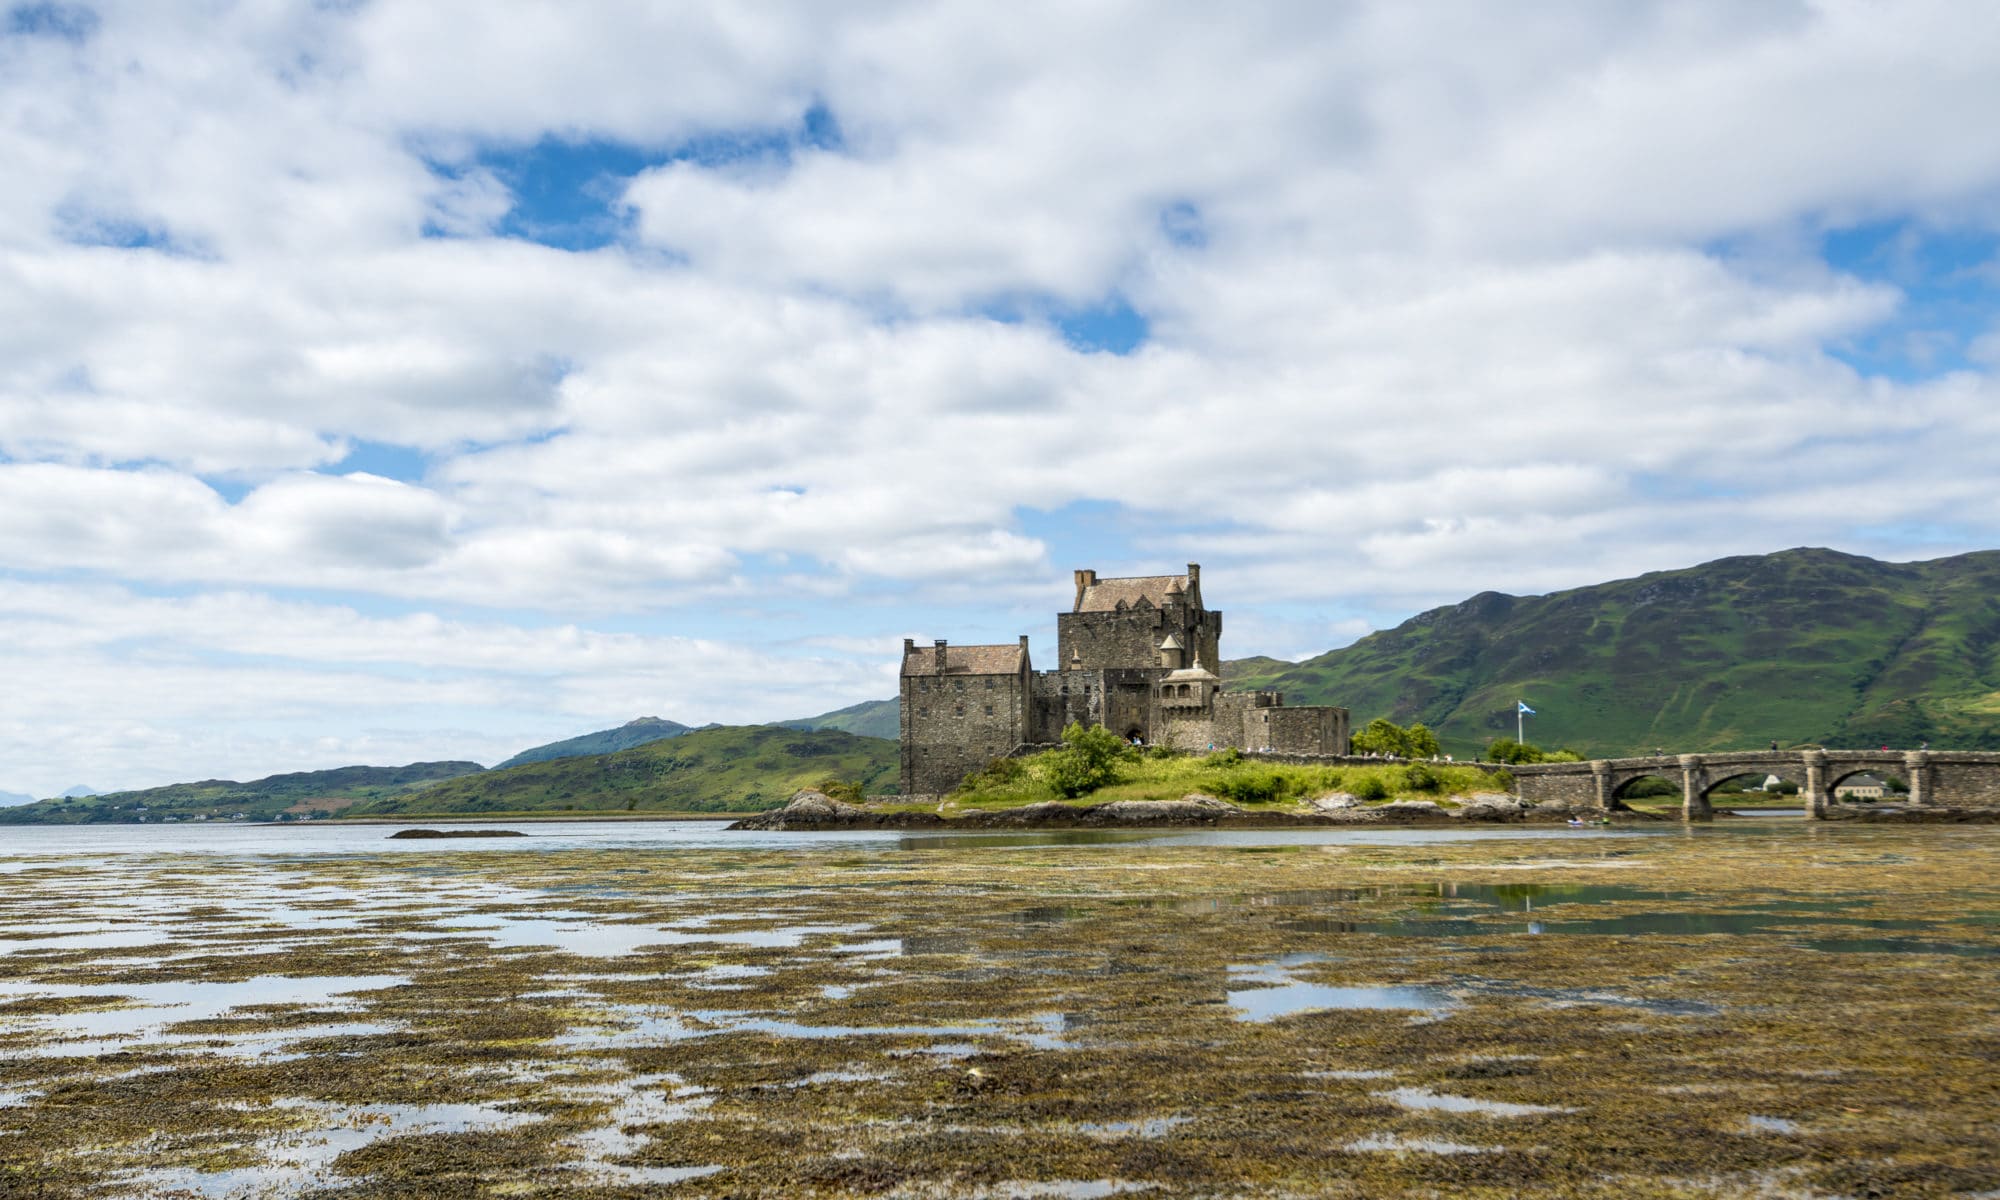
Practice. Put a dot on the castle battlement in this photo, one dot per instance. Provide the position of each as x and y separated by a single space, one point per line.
1135 655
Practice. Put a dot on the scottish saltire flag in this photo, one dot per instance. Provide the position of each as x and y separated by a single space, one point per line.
1525 710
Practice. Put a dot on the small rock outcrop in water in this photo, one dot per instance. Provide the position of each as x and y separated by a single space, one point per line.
455 833
809 809
1489 806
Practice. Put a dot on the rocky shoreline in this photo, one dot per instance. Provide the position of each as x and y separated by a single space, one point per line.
810 810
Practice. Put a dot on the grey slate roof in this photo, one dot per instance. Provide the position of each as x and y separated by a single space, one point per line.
1105 594
966 660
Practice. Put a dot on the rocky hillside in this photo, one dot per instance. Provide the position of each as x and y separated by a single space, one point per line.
1803 645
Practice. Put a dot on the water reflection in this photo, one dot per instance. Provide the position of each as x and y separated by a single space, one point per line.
1276 993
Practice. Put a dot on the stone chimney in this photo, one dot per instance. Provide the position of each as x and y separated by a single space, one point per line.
940 656
1084 579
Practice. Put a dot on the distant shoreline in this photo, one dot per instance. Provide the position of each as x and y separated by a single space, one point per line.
513 819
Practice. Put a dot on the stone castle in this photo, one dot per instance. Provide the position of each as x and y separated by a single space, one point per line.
1137 658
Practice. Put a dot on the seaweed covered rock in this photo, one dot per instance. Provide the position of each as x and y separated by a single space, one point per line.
809 809
1489 806
1192 809
1406 809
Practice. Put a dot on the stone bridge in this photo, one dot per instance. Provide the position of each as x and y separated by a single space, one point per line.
1936 778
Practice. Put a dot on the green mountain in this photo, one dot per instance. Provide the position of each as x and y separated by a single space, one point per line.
605 741
737 768
296 795
870 718
1799 646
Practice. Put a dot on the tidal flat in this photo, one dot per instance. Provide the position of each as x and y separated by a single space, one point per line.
1767 1008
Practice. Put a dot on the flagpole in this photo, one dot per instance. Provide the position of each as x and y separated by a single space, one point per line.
1520 726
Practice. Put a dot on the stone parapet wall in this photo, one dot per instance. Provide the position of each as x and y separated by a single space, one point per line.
1965 779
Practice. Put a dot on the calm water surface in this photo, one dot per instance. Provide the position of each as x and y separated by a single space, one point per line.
231 838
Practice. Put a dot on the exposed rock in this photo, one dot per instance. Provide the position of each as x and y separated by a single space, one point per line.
809 809
454 833
1194 809
1413 807
1488 806
1334 801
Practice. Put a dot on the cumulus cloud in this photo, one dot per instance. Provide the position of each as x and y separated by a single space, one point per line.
1433 299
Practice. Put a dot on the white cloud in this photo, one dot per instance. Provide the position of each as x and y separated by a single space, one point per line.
1434 294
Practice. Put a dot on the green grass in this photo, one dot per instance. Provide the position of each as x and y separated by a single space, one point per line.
723 769
1248 782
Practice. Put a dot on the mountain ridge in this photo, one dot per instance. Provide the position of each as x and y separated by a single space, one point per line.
636 732
1800 646
274 797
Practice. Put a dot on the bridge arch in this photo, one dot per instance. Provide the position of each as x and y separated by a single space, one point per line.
1840 773
1662 785
1719 777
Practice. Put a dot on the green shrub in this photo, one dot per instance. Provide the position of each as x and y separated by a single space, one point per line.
1252 786
1507 750
847 791
1088 760
1370 787
1385 737
1419 778
1226 757
999 771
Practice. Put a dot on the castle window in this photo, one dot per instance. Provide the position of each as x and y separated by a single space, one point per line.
989 710
958 684
958 710
924 711
923 685
989 684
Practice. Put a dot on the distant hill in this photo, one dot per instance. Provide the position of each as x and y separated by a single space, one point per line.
300 794
1799 646
605 741
719 769
870 718
9 799
79 791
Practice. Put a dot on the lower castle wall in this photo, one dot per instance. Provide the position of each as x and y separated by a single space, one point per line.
957 726
1191 729
1318 729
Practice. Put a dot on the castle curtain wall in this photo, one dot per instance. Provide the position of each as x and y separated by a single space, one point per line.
955 724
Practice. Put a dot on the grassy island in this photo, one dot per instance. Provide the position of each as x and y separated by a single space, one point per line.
1094 767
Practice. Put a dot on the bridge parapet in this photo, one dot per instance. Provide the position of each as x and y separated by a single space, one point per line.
1960 778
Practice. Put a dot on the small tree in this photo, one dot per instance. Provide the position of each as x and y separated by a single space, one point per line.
1507 750
1421 742
1088 760
1382 736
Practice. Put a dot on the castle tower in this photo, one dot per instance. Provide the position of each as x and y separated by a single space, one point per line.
1121 624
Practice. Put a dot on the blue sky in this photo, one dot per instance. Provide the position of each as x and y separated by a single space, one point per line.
383 383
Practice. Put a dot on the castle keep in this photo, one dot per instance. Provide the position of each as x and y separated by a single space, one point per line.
1137 657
